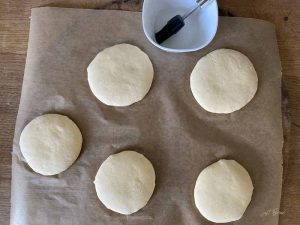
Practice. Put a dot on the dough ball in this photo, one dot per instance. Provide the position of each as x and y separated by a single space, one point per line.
50 143
125 182
223 81
120 75
223 191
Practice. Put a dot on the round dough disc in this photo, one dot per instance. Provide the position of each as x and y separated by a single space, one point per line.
120 75
50 143
125 182
223 81
223 191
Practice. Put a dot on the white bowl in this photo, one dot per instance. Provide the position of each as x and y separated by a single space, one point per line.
199 30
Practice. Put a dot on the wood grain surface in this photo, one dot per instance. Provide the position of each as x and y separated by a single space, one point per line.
14 30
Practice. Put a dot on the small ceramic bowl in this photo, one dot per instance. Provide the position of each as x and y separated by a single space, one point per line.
199 30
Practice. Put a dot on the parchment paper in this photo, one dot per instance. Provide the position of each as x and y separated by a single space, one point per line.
167 126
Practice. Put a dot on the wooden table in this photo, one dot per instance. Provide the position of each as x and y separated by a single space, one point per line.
14 29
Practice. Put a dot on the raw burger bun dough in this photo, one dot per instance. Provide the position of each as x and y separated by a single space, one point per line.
120 75
223 191
223 81
50 143
125 182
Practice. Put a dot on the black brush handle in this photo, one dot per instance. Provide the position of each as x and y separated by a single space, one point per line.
172 27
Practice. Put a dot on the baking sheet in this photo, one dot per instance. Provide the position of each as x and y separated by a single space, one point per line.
167 126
